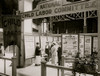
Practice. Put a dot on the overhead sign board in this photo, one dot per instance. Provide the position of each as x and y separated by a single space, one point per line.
11 30
54 8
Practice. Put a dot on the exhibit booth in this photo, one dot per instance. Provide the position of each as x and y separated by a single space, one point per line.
76 23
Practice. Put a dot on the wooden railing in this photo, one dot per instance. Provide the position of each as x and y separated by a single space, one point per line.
13 60
62 68
44 70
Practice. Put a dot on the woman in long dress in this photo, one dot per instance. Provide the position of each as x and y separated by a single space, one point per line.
54 54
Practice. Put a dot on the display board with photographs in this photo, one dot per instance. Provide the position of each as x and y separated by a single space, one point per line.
29 46
55 39
37 39
88 41
59 39
81 46
69 45
43 40
50 39
95 44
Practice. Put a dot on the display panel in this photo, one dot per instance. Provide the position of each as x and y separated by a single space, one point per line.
88 44
81 46
37 39
29 46
50 39
55 39
43 42
95 44
59 39
69 45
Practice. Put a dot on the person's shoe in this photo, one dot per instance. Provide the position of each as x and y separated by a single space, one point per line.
36 64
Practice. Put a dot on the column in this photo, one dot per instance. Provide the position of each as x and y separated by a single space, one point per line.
98 34
51 26
85 23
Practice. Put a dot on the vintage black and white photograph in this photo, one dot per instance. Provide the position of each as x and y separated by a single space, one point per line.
49 37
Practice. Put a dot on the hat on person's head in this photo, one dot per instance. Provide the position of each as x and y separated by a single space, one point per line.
37 43
54 43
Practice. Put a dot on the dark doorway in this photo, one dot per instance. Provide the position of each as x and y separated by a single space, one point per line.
92 25
75 26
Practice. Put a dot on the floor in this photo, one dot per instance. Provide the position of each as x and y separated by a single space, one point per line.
31 70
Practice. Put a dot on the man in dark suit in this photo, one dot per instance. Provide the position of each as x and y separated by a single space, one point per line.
37 54
59 53
47 50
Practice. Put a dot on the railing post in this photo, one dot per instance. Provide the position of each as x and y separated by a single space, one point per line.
43 68
62 71
13 66
58 72
4 66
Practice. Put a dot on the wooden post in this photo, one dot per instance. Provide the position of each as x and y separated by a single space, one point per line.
43 68
85 22
4 66
98 12
14 66
62 61
51 26
62 71
21 51
58 72
14 50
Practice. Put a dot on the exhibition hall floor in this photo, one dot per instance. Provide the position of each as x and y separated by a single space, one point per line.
31 70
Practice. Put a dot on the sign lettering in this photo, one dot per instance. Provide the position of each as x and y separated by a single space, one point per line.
56 8
11 30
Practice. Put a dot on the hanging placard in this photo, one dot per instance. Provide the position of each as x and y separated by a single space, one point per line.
11 30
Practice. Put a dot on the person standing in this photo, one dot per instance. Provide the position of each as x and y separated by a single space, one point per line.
37 54
59 51
47 50
2 52
54 54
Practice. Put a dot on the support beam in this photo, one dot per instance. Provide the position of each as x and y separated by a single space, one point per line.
51 26
98 12
21 52
85 22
